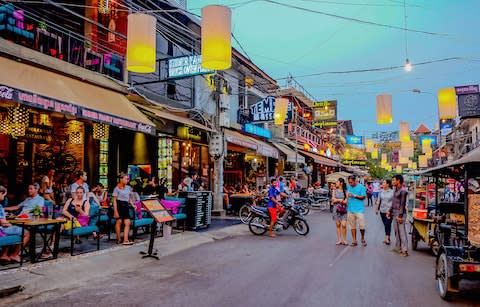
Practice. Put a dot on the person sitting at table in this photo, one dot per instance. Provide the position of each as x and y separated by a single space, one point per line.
30 202
75 207
10 254
245 189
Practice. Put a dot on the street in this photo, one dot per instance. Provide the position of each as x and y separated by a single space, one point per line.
259 271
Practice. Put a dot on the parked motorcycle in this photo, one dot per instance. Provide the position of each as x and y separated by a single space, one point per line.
260 220
245 213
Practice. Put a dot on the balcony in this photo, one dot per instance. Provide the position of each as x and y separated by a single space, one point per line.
28 28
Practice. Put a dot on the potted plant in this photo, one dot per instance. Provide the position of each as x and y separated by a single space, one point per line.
37 211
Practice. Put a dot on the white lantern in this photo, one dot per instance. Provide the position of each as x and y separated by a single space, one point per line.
216 37
384 109
404 132
141 43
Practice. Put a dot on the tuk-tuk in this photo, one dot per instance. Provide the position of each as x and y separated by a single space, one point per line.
456 222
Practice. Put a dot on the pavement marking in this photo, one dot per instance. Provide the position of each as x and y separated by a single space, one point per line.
343 252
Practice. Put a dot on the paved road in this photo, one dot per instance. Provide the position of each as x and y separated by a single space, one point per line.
286 271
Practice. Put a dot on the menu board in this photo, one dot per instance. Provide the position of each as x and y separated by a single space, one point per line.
157 210
474 219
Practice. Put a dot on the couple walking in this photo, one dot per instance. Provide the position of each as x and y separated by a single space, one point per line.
349 208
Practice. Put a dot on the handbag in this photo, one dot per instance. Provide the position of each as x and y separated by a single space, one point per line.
341 209
83 220
138 209
68 225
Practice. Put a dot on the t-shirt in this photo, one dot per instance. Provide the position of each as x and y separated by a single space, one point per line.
75 185
356 205
31 202
376 187
386 197
122 194
282 187
272 192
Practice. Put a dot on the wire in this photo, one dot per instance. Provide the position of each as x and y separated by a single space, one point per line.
405 26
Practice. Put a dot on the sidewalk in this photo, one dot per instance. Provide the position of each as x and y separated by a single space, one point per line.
62 274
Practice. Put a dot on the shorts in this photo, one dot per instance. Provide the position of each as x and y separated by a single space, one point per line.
12 230
339 216
273 214
375 194
356 218
123 209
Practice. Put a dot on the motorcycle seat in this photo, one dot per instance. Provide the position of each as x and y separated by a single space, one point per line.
261 209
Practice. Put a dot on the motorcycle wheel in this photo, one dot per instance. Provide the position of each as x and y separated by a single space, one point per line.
301 227
244 213
258 231
305 210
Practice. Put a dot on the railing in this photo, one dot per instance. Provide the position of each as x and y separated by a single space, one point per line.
26 29
290 82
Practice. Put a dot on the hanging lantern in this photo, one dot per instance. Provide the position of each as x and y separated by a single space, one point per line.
75 132
414 165
4 125
404 132
399 169
18 119
409 165
447 103
216 37
100 131
141 43
369 145
429 153
403 160
407 149
422 161
384 157
426 145
375 154
384 109
281 108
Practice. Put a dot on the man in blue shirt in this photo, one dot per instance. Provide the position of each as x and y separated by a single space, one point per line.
356 209
282 186
30 202
273 202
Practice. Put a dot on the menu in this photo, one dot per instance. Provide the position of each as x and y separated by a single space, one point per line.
157 210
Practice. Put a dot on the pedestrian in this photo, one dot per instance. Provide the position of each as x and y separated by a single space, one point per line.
273 203
376 190
122 200
339 199
398 212
384 204
369 194
356 209
80 181
282 186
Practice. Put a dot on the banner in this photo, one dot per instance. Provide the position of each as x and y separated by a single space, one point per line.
354 140
325 114
469 105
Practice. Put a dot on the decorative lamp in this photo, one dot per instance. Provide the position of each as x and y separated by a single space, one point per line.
403 160
384 109
216 37
414 165
369 145
104 6
384 157
426 145
429 153
407 149
100 131
422 161
141 43
375 154
447 103
4 124
18 119
404 132
281 108
399 169
75 132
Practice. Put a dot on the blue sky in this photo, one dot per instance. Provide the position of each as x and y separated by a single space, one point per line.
284 40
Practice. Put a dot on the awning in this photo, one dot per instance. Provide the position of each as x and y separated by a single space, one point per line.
46 90
260 147
335 176
290 153
471 157
176 118
319 159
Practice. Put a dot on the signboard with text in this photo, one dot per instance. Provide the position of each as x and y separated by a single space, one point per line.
325 114
354 140
186 66
469 105
256 130
352 162
264 110
431 138
466 89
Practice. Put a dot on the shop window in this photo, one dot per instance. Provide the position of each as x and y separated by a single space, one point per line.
171 91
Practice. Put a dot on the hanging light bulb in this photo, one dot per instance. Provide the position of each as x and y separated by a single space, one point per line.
408 66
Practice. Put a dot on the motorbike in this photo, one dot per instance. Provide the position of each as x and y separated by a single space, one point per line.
260 220
245 212
319 199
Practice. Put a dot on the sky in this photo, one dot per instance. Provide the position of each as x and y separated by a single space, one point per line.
284 40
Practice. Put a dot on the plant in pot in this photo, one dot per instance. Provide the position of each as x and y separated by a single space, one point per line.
36 212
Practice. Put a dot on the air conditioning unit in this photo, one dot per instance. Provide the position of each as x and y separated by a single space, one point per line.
224 119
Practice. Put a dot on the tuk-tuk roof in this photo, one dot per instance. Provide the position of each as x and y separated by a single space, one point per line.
471 157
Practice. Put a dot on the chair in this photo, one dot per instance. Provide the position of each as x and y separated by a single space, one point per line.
8 241
144 222
180 215
85 230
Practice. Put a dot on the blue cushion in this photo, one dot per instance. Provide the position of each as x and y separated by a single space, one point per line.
10 240
143 222
104 218
179 199
81 231
180 216
94 210
46 229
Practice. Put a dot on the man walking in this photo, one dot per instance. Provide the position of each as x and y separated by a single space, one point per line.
356 209
398 212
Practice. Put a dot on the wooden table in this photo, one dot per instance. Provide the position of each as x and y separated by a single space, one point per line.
34 225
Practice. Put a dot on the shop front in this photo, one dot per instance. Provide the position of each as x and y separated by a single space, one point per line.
319 166
50 121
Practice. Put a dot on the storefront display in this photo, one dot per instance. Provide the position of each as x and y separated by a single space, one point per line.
165 159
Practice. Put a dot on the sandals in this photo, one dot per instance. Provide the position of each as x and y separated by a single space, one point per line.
339 243
127 243
354 244
364 243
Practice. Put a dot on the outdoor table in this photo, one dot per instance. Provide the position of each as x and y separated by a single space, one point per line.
237 200
33 225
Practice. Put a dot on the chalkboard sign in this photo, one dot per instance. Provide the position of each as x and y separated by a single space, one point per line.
469 105
156 209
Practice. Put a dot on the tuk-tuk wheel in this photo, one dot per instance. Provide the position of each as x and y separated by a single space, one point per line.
414 239
435 247
444 282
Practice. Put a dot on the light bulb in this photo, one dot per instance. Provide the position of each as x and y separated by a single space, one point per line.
408 66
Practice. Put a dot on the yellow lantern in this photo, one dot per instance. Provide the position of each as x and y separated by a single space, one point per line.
426 145
75 132
281 108
429 153
4 124
369 146
141 43
403 160
100 131
422 161
447 103
216 37
399 169
375 154
384 157
404 132
407 149
384 109
18 119
414 165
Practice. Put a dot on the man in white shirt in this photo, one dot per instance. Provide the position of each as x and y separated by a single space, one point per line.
81 177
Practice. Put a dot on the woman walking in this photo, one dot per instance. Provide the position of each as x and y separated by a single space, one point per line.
384 204
339 199
122 201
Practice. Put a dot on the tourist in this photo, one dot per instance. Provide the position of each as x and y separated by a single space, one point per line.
196 182
384 204
245 189
77 208
369 194
100 195
122 201
80 181
10 254
47 184
356 209
376 190
273 203
339 199
398 213
152 187
33 200
281 186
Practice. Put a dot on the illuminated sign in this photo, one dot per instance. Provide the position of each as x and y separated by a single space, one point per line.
256 130
264 110
355 162
186 66
325 114
431 138
354 140
189 133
